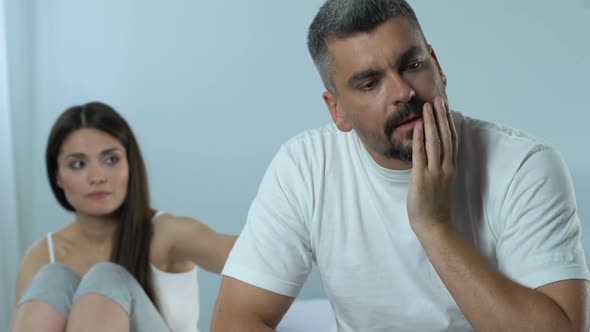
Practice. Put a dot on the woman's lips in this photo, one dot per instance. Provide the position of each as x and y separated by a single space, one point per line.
98 195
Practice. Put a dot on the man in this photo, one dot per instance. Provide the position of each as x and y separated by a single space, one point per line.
418 218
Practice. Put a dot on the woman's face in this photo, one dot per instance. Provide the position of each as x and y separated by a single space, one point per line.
93 172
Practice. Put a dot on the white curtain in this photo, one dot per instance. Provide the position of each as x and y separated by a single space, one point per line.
9 236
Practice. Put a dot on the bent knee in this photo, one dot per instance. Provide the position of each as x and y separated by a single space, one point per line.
99 311
107 270
38 316
55 285
109 280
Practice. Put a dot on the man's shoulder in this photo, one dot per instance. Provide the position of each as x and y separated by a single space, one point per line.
313 150
500 151
317 142
315 136
496 132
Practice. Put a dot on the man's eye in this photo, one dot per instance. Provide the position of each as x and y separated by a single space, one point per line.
415 65
77 164
368 85
111 160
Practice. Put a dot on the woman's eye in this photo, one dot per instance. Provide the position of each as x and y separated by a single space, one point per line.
77 164
111 160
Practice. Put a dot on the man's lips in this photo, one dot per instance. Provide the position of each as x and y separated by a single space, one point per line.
410 122
98 194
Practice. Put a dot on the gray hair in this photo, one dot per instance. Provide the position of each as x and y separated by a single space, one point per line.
344 18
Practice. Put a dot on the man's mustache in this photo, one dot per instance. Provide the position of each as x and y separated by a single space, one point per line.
405 111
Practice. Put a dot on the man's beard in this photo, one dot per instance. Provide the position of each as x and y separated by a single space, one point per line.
396 148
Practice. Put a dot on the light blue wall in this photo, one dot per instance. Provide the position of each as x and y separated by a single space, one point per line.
213 88
17 20
20 39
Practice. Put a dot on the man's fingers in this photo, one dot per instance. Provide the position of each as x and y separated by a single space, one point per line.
432 138
453 134
445 134
418 152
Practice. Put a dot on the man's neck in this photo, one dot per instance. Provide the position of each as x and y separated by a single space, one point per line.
389 163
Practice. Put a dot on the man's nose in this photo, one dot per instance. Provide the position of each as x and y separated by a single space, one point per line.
400 89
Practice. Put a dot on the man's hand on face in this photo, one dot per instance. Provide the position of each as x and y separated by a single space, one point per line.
434 149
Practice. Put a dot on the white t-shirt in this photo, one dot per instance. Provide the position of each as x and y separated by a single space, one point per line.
324 200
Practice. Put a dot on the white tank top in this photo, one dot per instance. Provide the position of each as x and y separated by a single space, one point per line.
177 293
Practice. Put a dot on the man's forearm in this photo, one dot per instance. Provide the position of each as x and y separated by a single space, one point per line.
489 300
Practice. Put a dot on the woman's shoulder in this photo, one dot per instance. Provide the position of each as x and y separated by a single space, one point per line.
168 223
163 222
168 230
165 228
36 256
188 241
39 253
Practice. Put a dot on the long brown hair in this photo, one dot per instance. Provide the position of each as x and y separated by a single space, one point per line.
133 234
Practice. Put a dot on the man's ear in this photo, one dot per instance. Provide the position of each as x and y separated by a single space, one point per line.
442 74
336 112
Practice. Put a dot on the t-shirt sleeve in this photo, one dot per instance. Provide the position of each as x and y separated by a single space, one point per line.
540 242
273 250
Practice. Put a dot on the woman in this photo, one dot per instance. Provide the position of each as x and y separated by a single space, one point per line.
120 265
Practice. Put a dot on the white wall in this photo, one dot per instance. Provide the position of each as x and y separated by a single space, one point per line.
9 235
213 88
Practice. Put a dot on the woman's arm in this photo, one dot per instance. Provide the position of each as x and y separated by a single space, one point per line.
34 259
191 240
28 317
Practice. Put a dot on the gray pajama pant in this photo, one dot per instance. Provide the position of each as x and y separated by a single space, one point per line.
60 287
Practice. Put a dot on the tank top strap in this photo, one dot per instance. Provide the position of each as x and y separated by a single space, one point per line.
50 245
157 215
